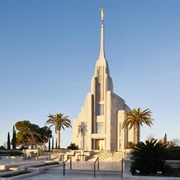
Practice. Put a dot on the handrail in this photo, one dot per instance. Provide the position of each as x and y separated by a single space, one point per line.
97 160
64 164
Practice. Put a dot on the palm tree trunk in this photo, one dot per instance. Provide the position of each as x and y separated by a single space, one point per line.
58 139
137 134
83 142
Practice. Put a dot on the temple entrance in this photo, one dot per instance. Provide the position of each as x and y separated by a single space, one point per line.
99 144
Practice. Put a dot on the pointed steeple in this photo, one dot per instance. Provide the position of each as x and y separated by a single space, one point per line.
102 54
101 62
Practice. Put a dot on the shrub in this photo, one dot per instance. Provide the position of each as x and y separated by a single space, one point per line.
173 153
149 157
2 147
72 146
14 153
52 163
11 153
130 145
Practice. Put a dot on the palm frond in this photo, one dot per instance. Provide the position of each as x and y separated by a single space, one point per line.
136 118
59 121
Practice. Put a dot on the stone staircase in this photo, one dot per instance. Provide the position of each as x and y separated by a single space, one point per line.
108 156
89 156
117 156
93 156
105 156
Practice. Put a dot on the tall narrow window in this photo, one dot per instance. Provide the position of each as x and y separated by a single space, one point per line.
100 128
120 135
100 93
120 130
100 109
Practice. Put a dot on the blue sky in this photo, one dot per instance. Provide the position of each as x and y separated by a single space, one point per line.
48 51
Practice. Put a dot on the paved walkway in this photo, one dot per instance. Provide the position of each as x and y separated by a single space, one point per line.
88 174
87 167
53 176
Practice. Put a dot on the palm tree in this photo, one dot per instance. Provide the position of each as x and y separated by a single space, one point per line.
82 128
59 121
136 118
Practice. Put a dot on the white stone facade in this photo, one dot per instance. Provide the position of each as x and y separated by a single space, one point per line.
103 112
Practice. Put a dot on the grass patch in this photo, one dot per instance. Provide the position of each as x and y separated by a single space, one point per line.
24 172
15 174
47 164
52 163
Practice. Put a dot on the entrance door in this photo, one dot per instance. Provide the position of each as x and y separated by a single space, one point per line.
99 143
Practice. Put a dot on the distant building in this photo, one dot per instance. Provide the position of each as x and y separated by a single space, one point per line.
103 111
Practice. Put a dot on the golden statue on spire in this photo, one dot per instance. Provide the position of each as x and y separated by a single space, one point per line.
102 13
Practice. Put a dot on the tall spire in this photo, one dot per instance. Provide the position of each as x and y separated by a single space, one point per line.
102 54
101 62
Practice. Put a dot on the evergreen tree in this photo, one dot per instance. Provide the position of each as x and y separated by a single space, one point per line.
49 144
52 143
8 141
56 143
165 138
14 138
31 135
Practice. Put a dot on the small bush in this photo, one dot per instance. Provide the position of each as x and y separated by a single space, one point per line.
173 153
47 164
11 153
130 145
52 163
72 146
16 174
2 147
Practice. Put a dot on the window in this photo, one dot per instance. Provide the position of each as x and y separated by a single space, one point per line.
100 109
100 128
100 71
120 135
120 130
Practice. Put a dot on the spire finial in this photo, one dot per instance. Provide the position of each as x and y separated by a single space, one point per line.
102 33
102 14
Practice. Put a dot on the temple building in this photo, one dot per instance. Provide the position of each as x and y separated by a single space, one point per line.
99 124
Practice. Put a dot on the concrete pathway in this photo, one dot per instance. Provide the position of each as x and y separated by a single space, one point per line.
87 172
49 176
